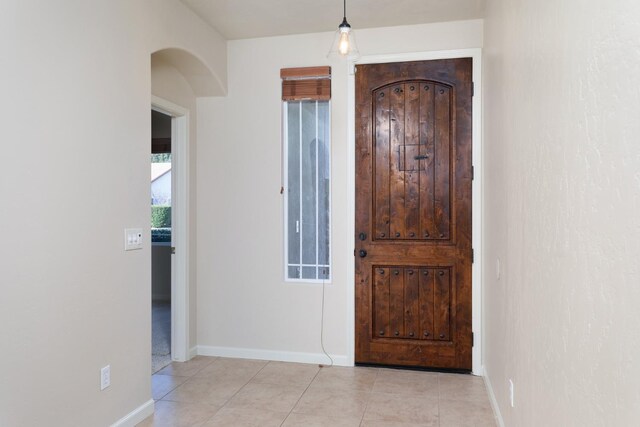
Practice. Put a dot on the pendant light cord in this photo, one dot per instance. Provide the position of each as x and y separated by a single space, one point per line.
344 9
322 325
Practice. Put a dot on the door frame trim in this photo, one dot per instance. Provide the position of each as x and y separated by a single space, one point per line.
476 191
179 224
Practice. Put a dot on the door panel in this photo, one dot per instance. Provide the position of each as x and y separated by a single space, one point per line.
413 205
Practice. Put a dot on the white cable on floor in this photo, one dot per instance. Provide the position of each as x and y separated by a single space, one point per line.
322 325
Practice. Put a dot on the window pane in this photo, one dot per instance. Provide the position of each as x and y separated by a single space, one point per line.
293 182
323 273
309 273
308 150
294 272
309 225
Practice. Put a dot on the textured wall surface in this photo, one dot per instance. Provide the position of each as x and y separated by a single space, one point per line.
562 196
76 87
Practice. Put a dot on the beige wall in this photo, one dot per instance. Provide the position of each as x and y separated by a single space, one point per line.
244 306
562 196
76 88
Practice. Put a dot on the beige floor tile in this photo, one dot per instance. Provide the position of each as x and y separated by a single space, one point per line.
339 378
462 387
343 403
309 420
232 368
246 417
406 382
186 369
402 408
284 373
163 384
179 414
270 397
459 413
210 392
206 390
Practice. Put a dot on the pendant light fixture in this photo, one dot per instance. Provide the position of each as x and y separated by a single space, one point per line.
344 43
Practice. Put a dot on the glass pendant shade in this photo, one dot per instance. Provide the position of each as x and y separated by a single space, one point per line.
344 43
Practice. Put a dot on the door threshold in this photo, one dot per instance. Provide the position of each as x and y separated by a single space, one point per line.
414 368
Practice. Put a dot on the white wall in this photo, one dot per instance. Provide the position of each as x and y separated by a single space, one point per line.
243 302
562 196
75 81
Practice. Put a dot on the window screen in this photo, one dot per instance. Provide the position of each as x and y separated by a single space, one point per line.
307 152
307 195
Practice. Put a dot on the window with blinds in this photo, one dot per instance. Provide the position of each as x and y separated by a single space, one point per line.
307 173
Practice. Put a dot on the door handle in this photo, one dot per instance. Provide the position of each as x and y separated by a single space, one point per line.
362 253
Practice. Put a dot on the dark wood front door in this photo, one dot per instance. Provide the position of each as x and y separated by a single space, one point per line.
413 213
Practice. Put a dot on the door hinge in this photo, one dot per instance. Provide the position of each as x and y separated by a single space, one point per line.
473 173
473 89
473 340
354 252
473 257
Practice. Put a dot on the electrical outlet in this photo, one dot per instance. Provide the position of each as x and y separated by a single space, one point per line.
511 393
105 377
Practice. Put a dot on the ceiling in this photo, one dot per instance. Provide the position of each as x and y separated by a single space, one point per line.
240 19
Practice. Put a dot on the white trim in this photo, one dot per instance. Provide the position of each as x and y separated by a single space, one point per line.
279 356
494 403
476 273
193 352
137 415
180 225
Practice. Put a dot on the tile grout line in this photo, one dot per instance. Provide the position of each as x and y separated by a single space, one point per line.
298 401
234 394
366 406
439 401
188 377
175 387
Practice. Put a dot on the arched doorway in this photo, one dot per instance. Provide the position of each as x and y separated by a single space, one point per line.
178 78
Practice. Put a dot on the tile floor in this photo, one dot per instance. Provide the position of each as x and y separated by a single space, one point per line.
211 392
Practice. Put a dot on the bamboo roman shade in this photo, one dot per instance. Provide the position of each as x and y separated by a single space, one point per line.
308 83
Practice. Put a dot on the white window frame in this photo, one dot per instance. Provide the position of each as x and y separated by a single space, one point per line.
285 169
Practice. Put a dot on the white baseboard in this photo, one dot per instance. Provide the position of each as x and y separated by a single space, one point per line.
492 399
280 356
136 416
193 352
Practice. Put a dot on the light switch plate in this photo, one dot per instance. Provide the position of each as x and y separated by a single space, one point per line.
105 377
132 239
